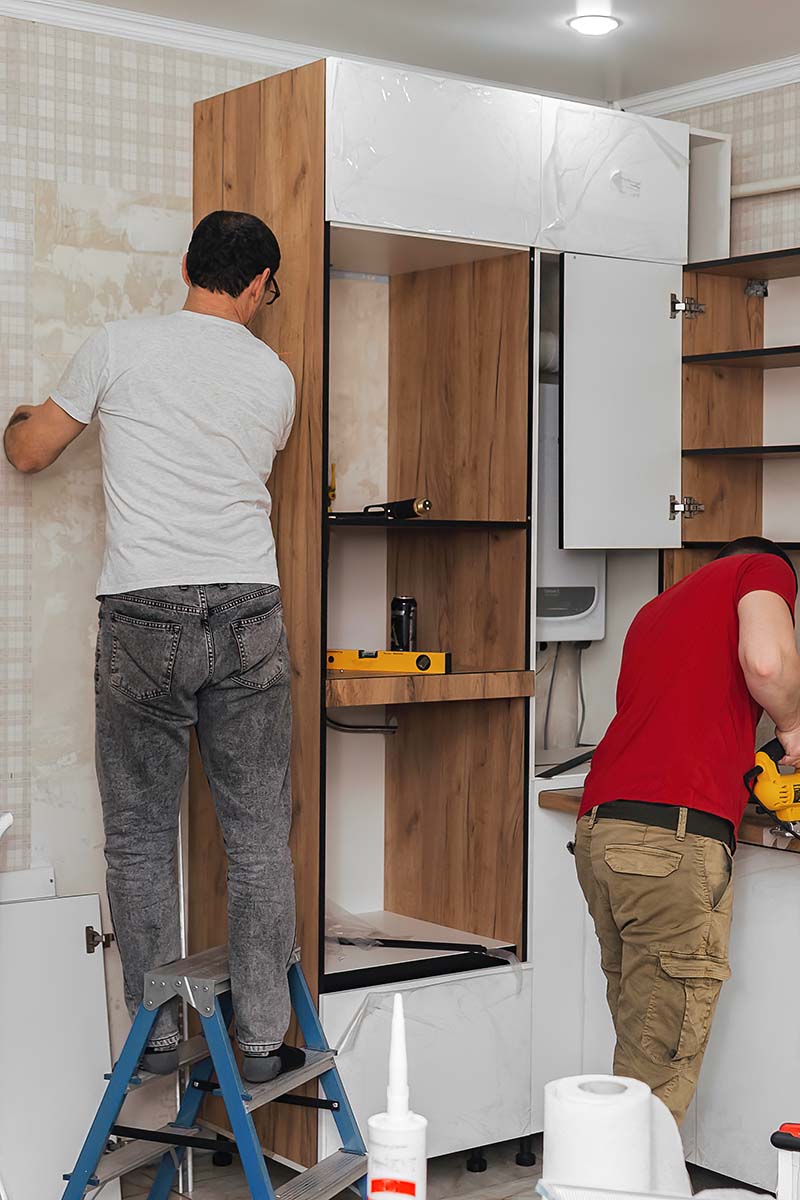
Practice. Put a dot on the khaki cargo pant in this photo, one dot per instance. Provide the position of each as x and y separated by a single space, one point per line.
661 902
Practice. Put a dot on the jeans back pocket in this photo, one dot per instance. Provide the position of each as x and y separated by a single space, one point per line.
143 656
263 653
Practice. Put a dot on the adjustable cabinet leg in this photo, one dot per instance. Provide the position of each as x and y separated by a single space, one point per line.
476 1160
525 1155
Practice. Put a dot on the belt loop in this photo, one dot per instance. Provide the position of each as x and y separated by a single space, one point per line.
683 816
592 817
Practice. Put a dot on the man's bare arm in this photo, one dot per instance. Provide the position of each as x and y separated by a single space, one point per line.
771 665
36 435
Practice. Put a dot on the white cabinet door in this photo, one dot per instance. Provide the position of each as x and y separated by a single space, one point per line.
418 152
54 1046
469 1055
614 183
621 404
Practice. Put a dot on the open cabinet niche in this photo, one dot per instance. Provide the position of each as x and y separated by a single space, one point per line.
741 423
428 395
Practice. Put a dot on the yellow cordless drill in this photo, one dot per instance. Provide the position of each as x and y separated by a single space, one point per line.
774 792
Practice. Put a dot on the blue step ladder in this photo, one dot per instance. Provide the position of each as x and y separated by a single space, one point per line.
203 980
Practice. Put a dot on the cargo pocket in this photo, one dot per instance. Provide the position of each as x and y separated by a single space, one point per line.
142 656
642 860
263 652
681 1006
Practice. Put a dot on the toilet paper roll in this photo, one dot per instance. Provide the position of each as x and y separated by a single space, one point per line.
549 351
610 1132
598 1132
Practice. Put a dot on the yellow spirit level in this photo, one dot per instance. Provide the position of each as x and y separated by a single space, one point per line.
391 662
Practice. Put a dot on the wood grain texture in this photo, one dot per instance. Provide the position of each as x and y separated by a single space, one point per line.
346 691
470 591
458 388
207 156
722 406
454 816
751 832
272 164
732 321
677 564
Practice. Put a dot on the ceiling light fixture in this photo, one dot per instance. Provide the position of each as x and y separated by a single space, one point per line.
594 25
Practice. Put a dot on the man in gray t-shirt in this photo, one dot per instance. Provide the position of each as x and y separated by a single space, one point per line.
192 410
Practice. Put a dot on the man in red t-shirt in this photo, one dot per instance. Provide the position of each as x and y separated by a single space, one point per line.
665 795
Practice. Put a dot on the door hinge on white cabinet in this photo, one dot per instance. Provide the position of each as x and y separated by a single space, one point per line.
95 939
688 507
690 307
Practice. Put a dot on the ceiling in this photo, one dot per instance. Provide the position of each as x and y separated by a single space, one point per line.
521 42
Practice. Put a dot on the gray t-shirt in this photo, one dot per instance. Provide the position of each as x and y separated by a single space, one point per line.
192 411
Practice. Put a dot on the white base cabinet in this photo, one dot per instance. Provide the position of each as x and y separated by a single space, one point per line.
469 1055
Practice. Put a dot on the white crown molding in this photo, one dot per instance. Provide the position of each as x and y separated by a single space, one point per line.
700 92
161 31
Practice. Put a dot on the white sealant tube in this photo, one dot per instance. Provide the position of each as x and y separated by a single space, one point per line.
398 1165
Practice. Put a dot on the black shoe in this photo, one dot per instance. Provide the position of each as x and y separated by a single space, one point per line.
160 1062
261 1068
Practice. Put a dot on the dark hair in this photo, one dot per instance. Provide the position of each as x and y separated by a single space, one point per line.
756 545
228 250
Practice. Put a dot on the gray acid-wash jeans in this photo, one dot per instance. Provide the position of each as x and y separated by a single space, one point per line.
213 658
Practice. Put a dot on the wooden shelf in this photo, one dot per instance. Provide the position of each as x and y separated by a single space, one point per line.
357 520
743 452
754 829
768 358
777 264
359 689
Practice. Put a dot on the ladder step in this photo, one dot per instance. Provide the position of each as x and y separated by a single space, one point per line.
116 1163
189 1053
326 1179
195 979
316 1064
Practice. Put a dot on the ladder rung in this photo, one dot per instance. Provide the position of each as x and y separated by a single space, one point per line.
189 1053
316 1064
326 1179
116 1163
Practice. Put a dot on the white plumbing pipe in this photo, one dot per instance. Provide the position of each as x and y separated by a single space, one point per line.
765 187
6 821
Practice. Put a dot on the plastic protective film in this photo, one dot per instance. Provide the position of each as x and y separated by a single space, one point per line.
444 156
613 182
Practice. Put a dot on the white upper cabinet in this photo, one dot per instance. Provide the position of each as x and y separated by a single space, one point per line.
411 151
613 183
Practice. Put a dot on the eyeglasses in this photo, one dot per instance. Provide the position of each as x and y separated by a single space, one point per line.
275 292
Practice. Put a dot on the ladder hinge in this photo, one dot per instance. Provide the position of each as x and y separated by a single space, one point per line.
688 507
690 307
95 939
757 287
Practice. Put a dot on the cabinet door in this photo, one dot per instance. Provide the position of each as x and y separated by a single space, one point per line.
54 1044
620 404
614 183
417 152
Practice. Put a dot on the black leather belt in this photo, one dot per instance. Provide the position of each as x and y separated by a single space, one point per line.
666 816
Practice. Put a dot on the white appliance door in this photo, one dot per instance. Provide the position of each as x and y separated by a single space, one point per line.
620 405
54 1047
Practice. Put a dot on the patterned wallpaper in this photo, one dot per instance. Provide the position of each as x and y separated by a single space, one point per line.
99 113
765 129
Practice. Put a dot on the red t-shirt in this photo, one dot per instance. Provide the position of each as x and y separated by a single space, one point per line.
685 727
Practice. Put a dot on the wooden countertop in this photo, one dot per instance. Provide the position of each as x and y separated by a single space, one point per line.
755 829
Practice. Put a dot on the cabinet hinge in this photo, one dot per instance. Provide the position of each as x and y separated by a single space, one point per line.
690 307
95 939
757 287
688 507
